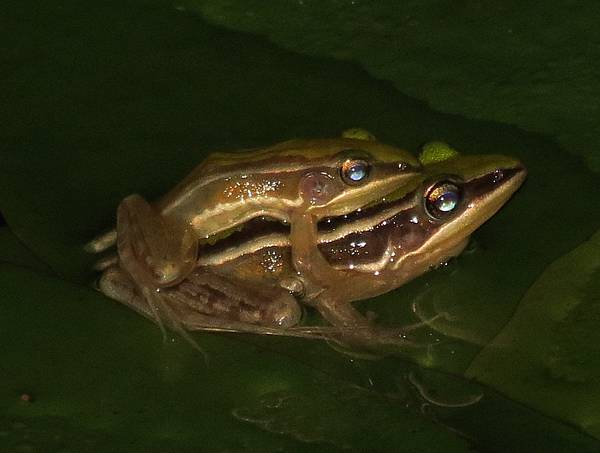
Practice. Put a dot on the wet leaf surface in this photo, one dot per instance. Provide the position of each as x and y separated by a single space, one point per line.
548 356
106 100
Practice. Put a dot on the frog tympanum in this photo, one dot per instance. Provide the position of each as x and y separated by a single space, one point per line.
247 237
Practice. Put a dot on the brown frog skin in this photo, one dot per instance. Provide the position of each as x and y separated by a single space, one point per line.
228 189
255 279
158 243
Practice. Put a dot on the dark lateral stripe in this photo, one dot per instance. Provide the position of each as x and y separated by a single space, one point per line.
252 230
353 223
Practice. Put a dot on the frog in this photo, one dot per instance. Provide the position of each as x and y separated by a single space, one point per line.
258 278
158 243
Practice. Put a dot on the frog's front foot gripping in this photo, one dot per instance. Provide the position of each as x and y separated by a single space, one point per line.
350 328
314 270
156 252
316 273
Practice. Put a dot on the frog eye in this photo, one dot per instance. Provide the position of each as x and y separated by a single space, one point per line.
442 199
355 171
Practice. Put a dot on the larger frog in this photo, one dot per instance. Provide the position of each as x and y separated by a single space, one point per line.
255 272
296 182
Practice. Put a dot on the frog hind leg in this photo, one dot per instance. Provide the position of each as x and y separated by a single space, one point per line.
117 284
229 303
156 254
154 251
210 302
102 242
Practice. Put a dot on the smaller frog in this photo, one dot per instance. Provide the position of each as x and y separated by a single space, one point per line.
427 221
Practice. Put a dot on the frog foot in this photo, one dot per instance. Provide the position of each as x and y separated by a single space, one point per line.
152 250
363 336
429 319
370 343
149 302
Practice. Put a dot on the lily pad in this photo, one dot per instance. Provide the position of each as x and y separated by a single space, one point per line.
548 356
13 251
106 100
69 350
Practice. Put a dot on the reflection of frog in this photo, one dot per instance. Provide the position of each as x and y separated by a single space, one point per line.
263 237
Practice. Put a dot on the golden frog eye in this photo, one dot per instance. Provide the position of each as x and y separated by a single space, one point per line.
355 171
442 199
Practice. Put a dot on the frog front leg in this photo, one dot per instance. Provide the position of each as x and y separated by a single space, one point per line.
350 327
316 275
318 278
156 251
324 285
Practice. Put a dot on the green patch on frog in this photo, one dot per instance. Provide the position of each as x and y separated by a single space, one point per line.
436 152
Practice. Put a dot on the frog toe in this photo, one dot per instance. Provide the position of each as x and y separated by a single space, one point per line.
153 250
285 312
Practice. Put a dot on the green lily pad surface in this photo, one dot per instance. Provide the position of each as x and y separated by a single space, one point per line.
548 355
525 63
104 100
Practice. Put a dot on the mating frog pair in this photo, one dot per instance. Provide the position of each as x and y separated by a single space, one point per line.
248 236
